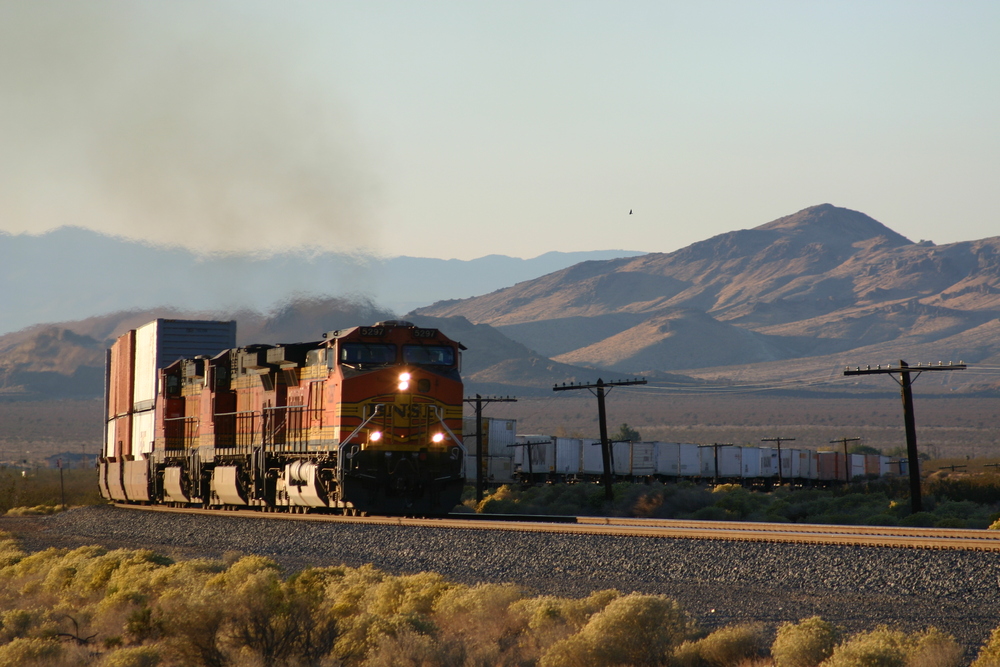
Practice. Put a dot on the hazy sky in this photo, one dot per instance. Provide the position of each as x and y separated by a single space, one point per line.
459 129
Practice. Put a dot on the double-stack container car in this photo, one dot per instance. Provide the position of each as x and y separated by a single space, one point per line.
367 420
542 458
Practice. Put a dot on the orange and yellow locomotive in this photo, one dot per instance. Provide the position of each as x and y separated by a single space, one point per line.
366 420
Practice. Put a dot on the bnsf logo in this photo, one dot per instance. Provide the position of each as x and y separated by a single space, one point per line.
414 411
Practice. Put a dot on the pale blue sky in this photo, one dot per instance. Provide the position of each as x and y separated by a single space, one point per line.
458 129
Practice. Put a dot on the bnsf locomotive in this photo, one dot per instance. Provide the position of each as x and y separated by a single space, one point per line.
368 420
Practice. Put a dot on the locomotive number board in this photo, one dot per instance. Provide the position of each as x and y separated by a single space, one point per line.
425 333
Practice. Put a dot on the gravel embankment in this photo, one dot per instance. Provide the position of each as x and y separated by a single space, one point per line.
718 582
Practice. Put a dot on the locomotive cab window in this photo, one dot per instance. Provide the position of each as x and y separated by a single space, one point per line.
429 355
367 353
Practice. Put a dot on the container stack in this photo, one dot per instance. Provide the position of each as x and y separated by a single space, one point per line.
132 371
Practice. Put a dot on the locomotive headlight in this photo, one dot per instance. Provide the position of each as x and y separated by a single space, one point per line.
438 437
375 436
404 381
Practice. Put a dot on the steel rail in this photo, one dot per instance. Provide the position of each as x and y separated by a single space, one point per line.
870 536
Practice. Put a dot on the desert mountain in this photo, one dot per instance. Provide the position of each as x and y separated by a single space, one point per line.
72 273
67 359
823 281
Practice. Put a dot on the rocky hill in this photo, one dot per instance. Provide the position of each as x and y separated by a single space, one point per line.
66 360
825 282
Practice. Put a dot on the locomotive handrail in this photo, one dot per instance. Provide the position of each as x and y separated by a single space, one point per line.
346 441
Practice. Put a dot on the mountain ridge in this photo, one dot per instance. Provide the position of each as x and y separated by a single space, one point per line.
822 281
73 273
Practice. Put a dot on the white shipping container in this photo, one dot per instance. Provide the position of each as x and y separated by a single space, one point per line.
690 459
501 469
621 461
790 463
721 461
162 342
538 459
813 465
568 456
643 459
803 463
109 440
751 462
502 433
142 433
668 459
768 462
593 463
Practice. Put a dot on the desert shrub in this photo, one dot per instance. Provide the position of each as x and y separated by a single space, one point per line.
412 649
480 618
10 550
892 648
731 645
137 656
739 503
37 510
666 501
983 488
631 630
935 649
25 652
989 654
879 648
804 644
687 654
546 620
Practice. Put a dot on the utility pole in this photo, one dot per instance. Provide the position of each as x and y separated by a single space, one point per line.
778 440
847 457
904 370
598 389
479 402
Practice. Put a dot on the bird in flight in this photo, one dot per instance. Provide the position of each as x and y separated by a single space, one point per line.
630 211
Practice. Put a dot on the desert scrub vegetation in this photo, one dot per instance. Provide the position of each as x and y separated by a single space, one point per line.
880 503
134 608
41 488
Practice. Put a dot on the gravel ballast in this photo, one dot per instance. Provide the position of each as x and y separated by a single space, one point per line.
718 582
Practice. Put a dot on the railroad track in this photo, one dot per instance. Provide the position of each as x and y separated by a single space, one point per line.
874 536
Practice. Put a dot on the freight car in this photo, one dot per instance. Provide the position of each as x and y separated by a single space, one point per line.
552 459
367 420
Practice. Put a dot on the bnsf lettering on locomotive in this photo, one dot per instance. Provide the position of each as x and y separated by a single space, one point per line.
411 411
424 333
372 331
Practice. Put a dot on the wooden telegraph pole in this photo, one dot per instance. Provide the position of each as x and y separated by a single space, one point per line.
847 457
479 402
905 370
598 389
778 440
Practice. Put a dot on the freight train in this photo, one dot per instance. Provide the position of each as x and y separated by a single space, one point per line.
536 459
367 420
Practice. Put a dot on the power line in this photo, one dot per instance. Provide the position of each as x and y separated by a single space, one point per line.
600 387
905 371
